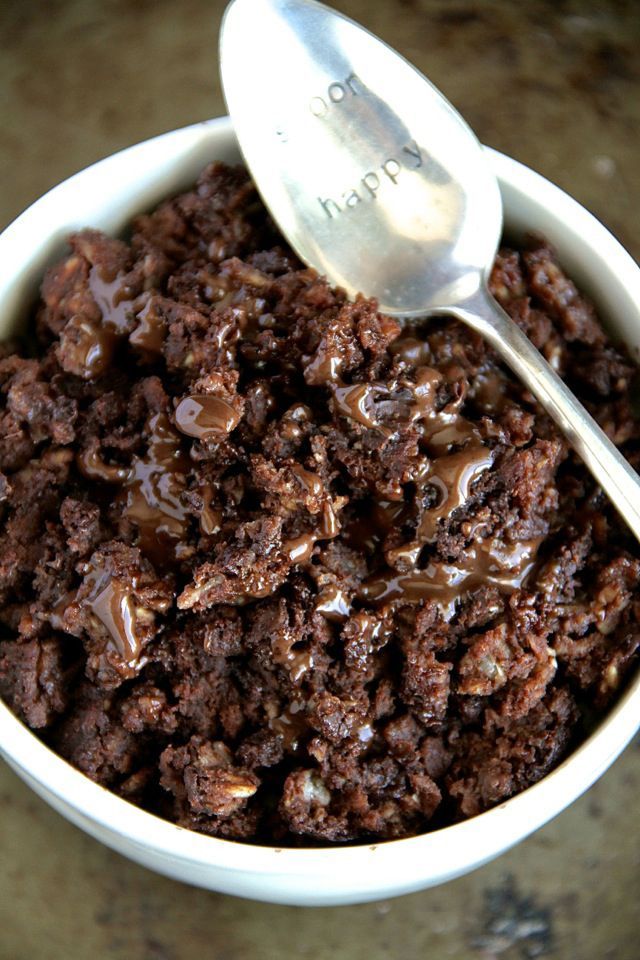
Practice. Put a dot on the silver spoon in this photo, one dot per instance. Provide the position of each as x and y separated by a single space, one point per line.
380 185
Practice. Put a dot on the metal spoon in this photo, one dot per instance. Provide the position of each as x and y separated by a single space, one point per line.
379 184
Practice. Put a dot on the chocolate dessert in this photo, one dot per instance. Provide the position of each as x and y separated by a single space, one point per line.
282 569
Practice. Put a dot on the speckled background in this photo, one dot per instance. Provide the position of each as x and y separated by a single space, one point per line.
555 84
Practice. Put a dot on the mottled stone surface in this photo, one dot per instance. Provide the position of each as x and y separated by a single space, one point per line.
555 84
567 893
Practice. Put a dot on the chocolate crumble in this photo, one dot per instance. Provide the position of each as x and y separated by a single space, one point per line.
281 569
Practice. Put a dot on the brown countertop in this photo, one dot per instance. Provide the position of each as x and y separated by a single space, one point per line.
554 84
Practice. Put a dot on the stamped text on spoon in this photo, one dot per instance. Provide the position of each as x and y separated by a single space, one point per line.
366 188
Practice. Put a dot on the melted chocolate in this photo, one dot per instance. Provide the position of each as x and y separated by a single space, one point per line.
301 663
291 725
115 609
411 351
442 429
453 476
330 524
206 417
368 530
485 562
332 602
356 402
452 472
293 418
149 335
113 299
325 367
93 346
309 481
300 549
153 490
297 662
210 517
93 467
372 632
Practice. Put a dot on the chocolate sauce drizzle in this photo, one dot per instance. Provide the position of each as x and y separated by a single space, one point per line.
113 299
115 609
149 335
455 458
151 489
206 417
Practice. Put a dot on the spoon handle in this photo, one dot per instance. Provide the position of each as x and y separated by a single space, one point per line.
614 474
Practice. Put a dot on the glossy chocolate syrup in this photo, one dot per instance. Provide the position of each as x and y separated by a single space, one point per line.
453 476
291 725
210 516
486 562
456 457
333 603
356 402
326 367
93 467
299 549
87 346
93 346
152 492
206 417
113 299
151 489
309 481
149 335
115 609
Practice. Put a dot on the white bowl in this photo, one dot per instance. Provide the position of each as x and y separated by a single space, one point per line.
106 195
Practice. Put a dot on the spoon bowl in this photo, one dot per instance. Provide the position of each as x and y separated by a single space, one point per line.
380 185
367 185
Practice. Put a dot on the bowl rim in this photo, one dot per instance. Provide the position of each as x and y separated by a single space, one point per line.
447 850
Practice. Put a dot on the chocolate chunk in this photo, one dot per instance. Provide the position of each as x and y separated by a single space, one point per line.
205 417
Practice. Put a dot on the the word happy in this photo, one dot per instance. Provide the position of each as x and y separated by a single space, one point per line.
369 184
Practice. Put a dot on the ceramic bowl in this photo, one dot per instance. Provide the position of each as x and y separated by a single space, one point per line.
107 195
